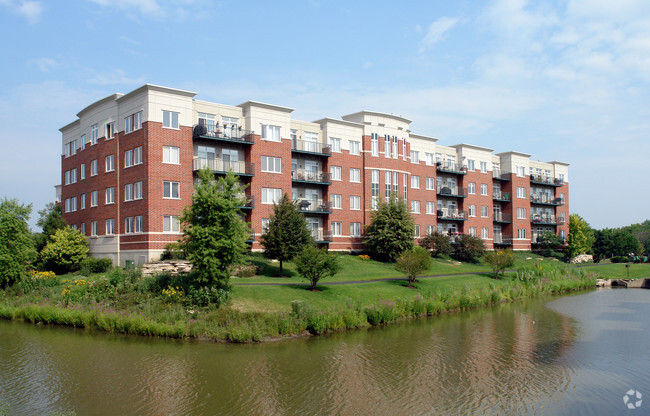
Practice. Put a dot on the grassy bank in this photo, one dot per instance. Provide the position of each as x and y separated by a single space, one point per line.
124 302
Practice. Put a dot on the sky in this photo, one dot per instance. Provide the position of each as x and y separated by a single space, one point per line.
561 80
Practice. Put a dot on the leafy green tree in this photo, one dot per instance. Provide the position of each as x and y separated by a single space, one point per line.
314 264
50 219
547 242
437 243
214 235
581 236
468 248
500 260
390 231
614 242
65 250
412 262
286 234
16 245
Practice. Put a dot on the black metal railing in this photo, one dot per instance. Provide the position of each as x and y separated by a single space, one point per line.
312 176
501 196
224 166
502 217
313 205
496 174
229 133
452 191
450 167
546 180
502 239
452 214
546 200
547 219
299 145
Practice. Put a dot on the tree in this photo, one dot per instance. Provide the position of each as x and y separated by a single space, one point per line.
614 242
50 219
286 234
65 250
214 235
469 248
16 245
314 264
390 231
437 243
413 261
500 260
581 236
547 242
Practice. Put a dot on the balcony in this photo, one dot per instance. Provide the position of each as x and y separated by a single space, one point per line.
230 134
502 240
546 200
501 196
249 202
313 206
450 191
447 167
537 238
251 236
546 180
502 217
453 237
310 176
546 219
224 166
452 215
497 175
310 148
321 236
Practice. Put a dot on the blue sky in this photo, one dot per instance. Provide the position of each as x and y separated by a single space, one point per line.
562 80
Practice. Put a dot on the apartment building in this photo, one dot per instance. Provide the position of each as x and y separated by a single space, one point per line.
129 162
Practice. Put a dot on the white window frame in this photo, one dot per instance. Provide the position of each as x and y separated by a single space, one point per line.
355 175
110 163
415 207
521 213
485 233
93 199
271 133
110 196
521 233
128 158
335 144
171 224
94 134
415 182
484 189
355 203
521 192
128 225
355 147
110 131
110 226
171 186
93 167
137 155
471 188
172 155
415 156
337 229
355 229
335 173
336 201
82 171
137 121
472 210
128 192
374 144
93 228
484 211
137 190
271 195
483 167
170 119
431 208
83 201
271 164
137 224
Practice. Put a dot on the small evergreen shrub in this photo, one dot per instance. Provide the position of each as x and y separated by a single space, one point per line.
92 265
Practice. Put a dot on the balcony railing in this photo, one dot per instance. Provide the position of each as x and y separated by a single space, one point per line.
310 176
306 146
496 174
228 133
224 166
546 180
503 240
315 206
547 219
452 214
449 167
251 236
502 217
453 237
501 196
451 191
249 202
536 238
545 200
321 236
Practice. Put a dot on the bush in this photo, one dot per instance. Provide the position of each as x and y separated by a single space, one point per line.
92 265
469 248
244 270
204 296
314 264
414 261
66 249
620 259
500 260
437 243
173 251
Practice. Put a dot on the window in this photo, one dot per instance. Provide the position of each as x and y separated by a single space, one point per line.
335 173
355 203
335 144
404 148
110 130
137 190
94 130
521 192
562 217
83 228
483 167
170 119
355 175
137 224
171 224
520 171
355 229
271 164
82 170
110 163
375 182
521 213
484 233
128 192
128 124
128 158
431 184
336 201
93 198
93 228
472 210
429 159
355 149
137 155
336 229
472 231
431 208
110 195
110 227
171 190
67 205
431 229
374 144
562 198
415 182
484 211
271 195
561 178
271 133
405 177
471 188
483 189
128 225
73 175
416 232
265 224
83 141
83 201
415 207
415 156
389 175
171 154
93 167
67 177
73 203
470 164
521 233
562 234
394 147
387 146
137 121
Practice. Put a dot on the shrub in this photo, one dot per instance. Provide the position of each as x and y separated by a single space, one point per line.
92 265
500 260
65 250
469 248
314 264
244 270
173 294
620 259
204 296
414 261
173 251
437 243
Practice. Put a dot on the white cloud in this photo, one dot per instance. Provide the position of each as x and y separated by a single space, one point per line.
29 9
116 77
436 31
43 64
143 6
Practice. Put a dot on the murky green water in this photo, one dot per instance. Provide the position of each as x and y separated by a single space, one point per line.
565 356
